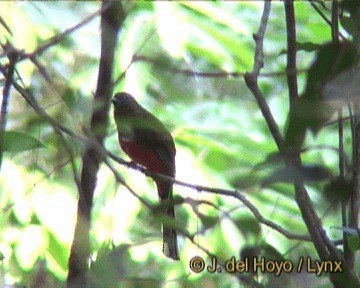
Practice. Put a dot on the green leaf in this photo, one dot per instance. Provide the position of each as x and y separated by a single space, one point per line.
208 221
306 46
271 252
307 173
111 267
215 15
351 24
248 225
338 190
330 61
354 242
274 158
224 42
58 251
18 142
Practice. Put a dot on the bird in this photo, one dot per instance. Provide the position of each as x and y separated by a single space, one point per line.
145 139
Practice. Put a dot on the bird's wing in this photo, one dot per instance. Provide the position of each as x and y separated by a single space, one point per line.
154 135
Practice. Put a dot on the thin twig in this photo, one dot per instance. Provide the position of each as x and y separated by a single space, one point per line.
348 255
122 75
323 16
41 69
29 98
13 58
333 122
251 78
3 23
59 37
220 74
179 229
120 180
230 193
259 40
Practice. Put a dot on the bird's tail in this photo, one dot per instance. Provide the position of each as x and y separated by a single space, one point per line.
170 245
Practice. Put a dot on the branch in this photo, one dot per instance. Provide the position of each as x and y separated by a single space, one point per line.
220 74
230 193
111 21
348 254
120 180
251 78
29 98
323 16
355 195
335 21
90 141
7 28
324 246
311 220
61 36
291 51
122 75
13 58
180 229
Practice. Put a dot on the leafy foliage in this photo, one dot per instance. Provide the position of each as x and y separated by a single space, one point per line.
221 137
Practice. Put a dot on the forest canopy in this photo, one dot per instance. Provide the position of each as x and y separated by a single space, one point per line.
260 98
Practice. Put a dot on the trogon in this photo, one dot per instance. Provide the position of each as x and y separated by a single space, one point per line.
148 143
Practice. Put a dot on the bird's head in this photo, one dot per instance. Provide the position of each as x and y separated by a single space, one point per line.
124 102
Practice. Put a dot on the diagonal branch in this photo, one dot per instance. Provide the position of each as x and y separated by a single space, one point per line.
61 36
323 16
224 192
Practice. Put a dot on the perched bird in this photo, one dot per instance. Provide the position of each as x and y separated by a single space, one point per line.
148 143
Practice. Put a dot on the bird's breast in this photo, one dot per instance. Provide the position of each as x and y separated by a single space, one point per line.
143 155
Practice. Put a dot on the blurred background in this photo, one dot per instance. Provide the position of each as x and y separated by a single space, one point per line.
221 137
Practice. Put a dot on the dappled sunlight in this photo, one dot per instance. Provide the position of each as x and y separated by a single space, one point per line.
265 167
31 246
56 209
15 193
170 22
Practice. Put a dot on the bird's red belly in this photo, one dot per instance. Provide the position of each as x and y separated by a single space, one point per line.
144 156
